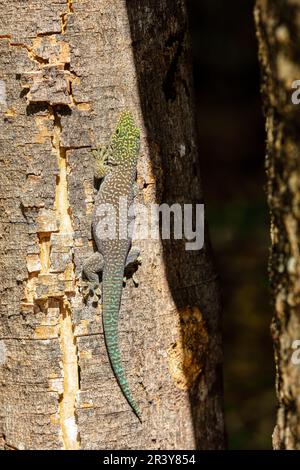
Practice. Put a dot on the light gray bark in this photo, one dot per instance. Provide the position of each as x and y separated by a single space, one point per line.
67 70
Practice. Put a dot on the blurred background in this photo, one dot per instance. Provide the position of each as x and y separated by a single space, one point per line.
231 139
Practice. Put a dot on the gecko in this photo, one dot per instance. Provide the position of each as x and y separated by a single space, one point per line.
116 166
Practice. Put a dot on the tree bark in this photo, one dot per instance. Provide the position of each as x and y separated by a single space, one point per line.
278 28
67 71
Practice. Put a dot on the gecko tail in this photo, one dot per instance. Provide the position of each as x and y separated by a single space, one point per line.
112 291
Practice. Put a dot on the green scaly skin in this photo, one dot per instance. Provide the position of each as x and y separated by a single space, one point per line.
117 164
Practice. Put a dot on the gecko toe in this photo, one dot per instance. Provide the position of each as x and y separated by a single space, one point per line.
91 291
97 291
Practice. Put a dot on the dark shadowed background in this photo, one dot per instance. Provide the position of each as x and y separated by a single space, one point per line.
231 140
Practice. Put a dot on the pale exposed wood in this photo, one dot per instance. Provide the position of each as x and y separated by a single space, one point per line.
67 70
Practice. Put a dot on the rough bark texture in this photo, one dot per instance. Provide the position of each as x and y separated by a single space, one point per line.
67 70
278 27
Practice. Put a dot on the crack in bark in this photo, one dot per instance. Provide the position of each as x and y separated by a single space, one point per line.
67 402
67 408
32 56
64 16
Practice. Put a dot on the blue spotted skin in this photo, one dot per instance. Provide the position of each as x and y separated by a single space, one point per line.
121 154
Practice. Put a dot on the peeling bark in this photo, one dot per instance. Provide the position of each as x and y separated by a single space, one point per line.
67 70
278 28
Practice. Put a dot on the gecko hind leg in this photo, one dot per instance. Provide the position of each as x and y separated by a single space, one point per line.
132 256
91 268
131 265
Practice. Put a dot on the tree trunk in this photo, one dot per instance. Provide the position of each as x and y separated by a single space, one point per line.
67 71
278 27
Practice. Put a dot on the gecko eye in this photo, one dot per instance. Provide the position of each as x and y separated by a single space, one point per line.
117 131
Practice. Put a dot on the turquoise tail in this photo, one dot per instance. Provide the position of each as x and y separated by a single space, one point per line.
112 292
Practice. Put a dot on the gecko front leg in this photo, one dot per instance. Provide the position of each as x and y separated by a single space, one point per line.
101 158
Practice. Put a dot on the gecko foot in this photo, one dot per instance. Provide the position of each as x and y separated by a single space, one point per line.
100 166
91 291
92 273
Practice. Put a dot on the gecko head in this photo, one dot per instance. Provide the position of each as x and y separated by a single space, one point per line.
125 140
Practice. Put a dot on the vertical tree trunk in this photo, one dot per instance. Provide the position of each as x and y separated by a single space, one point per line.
67 70
278 27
